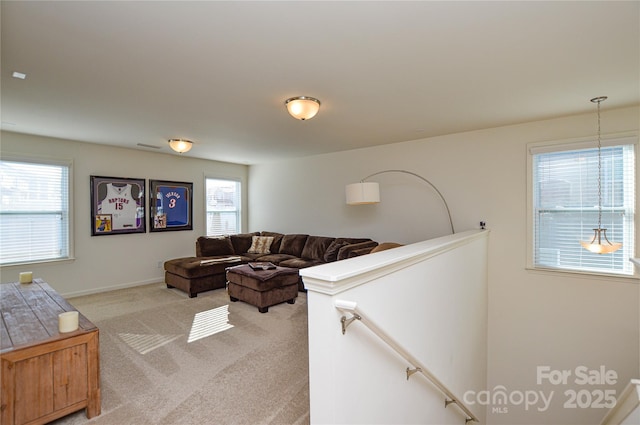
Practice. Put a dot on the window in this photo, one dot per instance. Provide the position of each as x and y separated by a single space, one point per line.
565 210
223 207
34 212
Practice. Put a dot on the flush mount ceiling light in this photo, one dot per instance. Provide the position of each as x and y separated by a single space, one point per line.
19 75
597 244
302 107
181 145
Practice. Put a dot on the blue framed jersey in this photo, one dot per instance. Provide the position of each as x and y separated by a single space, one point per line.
172 204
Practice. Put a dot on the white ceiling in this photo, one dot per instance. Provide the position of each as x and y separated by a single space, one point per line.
218 73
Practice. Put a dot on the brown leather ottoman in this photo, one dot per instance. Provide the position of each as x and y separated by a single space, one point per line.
262 288
197 274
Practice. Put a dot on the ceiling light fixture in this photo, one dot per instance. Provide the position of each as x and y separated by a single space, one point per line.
181 145
19 75
302 107
597 245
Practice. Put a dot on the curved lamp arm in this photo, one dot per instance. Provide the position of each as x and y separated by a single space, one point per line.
424 180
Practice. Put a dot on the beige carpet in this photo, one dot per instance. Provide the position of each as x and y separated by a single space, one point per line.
169 359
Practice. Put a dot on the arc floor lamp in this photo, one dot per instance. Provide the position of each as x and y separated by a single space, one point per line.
365 192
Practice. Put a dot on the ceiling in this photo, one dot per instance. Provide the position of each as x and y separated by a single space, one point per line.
218 73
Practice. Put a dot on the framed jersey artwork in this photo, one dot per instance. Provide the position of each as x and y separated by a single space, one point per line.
117 205
170 206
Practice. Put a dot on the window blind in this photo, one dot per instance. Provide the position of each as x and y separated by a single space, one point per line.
565 192
34 212
223 207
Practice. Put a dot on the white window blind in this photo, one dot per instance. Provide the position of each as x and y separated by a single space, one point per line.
34 212
565 207
223 207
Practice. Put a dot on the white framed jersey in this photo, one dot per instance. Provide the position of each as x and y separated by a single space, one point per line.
120 204
117 205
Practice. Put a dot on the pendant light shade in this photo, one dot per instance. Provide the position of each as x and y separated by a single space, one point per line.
302 107
600 244
181 145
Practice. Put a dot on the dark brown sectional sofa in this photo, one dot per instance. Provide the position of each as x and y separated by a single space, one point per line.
203 272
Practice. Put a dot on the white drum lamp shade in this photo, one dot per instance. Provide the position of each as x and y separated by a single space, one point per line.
363 193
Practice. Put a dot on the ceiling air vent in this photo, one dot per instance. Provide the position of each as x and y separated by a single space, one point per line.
149 146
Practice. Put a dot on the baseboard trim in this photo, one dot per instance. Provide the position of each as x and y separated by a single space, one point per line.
111 288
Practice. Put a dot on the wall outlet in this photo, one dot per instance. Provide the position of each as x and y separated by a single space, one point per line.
160 264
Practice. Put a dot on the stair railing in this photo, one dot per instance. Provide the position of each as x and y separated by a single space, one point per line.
417 366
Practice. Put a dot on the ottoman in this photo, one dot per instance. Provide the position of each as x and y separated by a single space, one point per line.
197 274
262 288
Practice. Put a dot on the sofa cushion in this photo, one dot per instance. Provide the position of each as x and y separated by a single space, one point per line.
356 249
193 267
293 244
252 257
277 240
315 247
353 240
331 254
300 263
384 246
273 258
260 245
210 246
358 252
242 241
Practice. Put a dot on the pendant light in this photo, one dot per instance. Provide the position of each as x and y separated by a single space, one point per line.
600 244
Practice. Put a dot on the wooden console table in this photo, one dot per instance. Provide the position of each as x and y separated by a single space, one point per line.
45 374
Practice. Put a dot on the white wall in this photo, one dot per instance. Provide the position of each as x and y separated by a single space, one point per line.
109 262
535 319
406 292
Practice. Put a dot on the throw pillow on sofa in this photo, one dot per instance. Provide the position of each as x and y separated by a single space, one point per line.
211 246
277 240
356 249
331 254
260 245
242 241
293 244
315 247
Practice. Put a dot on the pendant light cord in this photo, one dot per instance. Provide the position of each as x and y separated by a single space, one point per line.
597 245
599 170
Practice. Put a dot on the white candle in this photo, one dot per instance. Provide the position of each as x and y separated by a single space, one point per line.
68 321
26 277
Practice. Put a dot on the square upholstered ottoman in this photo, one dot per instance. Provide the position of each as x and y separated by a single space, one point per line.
262 288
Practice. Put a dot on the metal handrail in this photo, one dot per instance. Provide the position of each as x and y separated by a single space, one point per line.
357 314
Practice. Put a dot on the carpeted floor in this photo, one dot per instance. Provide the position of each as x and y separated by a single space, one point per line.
169 359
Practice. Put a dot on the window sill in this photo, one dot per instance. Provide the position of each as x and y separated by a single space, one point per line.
38 263
608 277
